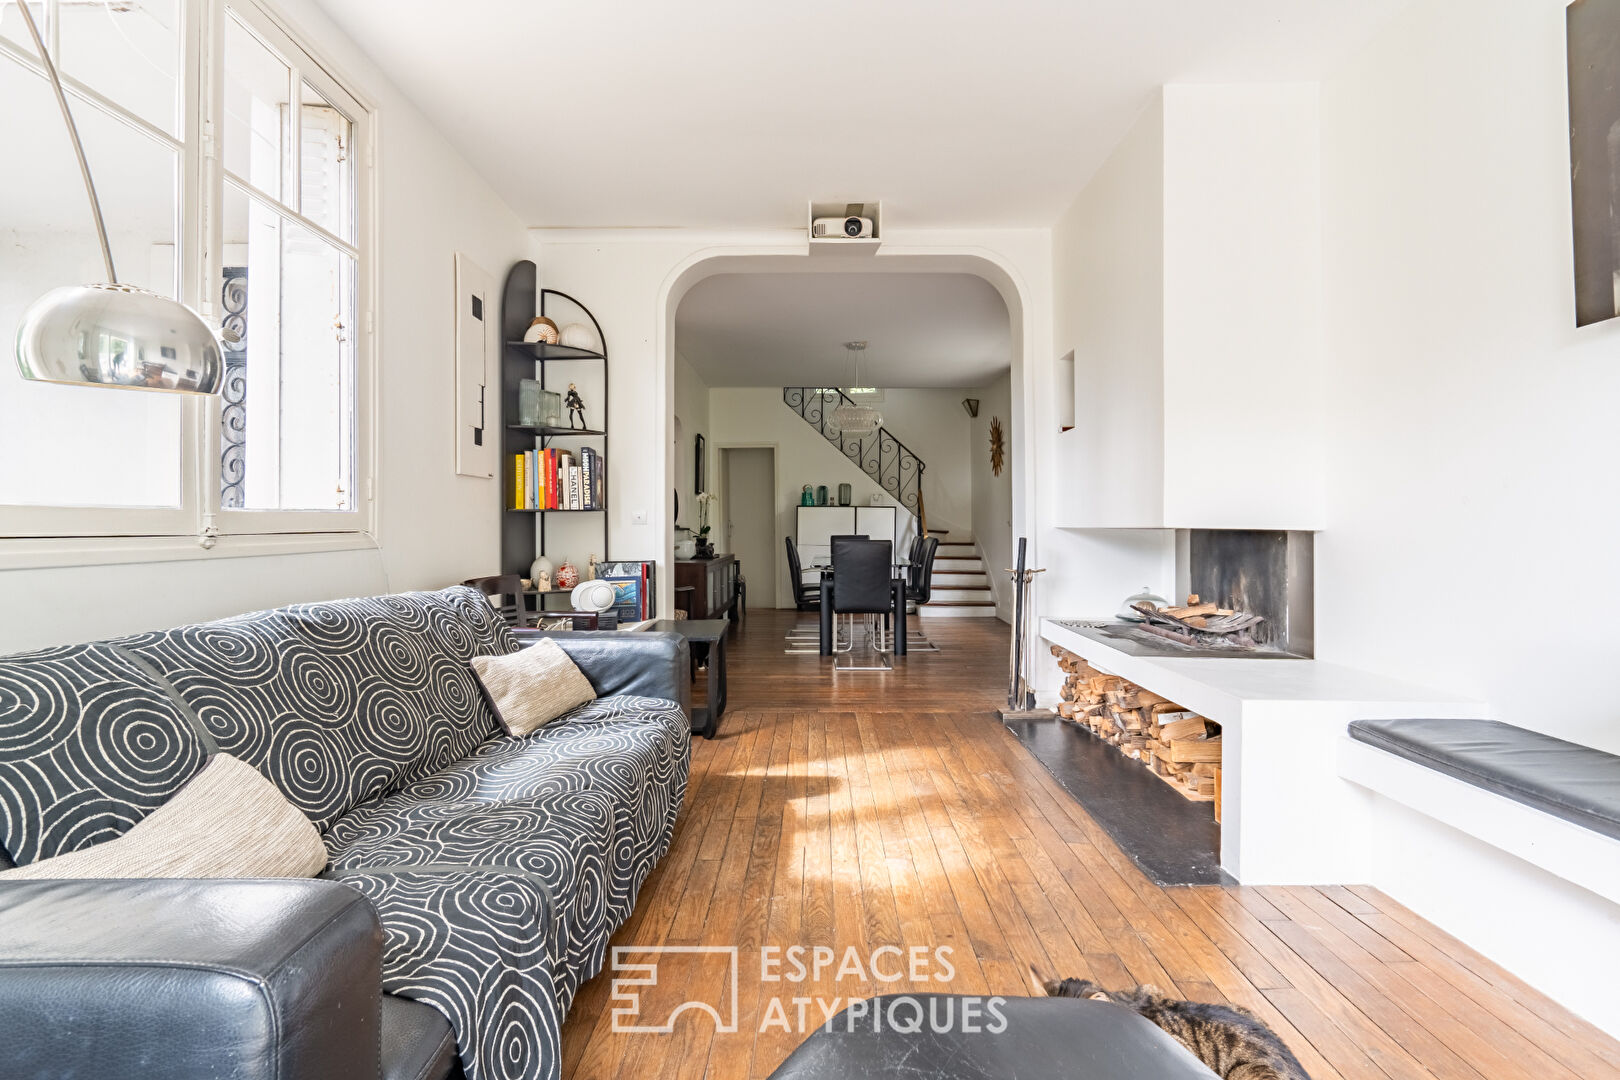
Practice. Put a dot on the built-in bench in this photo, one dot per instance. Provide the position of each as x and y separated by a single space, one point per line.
1553 803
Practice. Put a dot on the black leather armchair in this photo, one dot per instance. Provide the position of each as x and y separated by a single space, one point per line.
630 662
945 1037
183 979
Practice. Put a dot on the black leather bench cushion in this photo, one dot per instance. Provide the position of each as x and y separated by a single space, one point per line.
1565 779
1043 1039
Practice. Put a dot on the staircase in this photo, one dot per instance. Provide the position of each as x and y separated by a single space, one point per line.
879 455
960 586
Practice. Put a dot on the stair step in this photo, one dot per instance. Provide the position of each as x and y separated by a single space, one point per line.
949 595
954 579
958 566
958 609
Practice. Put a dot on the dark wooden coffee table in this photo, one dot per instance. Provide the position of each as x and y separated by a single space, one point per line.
711 634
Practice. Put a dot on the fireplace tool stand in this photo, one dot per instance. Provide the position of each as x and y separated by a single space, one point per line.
1020 698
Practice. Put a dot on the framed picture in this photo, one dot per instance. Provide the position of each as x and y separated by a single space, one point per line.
1593 28
698 475
477 365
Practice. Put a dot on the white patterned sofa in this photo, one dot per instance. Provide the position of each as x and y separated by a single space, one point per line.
498 866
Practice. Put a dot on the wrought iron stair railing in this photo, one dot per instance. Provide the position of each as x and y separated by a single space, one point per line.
879 455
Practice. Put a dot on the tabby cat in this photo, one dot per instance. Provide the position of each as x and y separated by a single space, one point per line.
1232 1041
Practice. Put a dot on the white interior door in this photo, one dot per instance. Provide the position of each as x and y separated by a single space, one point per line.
749 505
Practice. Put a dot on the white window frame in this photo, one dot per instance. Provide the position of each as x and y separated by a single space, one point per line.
96 521
305 68
50 535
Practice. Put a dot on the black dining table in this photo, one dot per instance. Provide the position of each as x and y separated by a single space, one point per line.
897 589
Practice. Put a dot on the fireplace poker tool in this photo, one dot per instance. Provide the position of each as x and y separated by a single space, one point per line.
1020 698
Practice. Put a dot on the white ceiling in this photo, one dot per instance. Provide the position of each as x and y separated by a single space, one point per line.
736 112
788 329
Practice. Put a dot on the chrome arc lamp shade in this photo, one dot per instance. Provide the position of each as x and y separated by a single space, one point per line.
119 336
111 334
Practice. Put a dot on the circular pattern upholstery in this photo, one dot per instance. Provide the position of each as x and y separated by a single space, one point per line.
89 745
581 811
499 867
338 702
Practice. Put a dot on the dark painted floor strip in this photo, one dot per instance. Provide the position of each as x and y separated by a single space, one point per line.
1172 840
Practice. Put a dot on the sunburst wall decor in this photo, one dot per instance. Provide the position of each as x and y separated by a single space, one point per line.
998 451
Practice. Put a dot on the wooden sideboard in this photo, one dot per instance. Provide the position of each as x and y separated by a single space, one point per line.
714 585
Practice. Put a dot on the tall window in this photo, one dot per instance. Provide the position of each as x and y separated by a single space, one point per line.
289 276
233 170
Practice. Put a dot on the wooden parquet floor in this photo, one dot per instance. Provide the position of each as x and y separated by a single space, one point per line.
894 810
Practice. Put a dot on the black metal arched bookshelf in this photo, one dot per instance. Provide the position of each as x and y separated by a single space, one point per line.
520 540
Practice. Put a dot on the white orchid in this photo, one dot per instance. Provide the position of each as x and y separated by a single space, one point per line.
705 500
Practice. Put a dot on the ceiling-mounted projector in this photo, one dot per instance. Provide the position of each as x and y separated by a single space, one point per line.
854 228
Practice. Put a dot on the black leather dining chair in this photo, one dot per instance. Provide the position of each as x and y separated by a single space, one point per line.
920 584
805 597
863 584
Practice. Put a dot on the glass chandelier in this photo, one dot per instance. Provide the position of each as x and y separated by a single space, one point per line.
850 417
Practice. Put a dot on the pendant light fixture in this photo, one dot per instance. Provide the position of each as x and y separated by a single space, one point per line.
852 418
110 334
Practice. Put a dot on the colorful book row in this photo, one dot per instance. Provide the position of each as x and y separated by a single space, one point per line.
559 480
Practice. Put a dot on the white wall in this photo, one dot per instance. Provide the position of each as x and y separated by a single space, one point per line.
1242 430
435 528
1470 476
756 416
1473 438
1108 278
692 409
1189 271
1108 288
933 424
992 494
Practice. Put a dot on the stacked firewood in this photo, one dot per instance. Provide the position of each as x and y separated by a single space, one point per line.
1180 747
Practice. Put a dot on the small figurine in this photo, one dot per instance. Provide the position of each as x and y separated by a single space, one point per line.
567 575
576 407
540 572
590 568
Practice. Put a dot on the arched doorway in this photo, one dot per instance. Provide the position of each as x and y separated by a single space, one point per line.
988 266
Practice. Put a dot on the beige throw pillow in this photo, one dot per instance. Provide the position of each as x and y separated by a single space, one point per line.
533 686
227 822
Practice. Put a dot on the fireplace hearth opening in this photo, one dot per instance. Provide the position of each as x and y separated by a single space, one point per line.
1265 573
